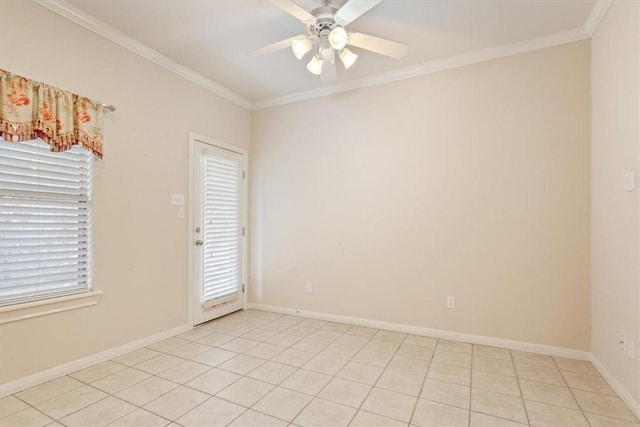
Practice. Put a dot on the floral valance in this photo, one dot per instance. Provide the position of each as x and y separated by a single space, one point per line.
30 109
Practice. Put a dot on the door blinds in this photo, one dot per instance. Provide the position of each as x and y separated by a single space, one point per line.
222 270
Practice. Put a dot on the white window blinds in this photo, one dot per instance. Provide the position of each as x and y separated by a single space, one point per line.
222 270
45 221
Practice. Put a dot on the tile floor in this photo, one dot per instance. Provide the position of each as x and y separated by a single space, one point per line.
261 369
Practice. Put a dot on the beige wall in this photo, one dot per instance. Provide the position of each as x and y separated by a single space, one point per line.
472 182
615 147
140 244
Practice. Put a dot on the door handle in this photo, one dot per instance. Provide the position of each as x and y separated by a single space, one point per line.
199 242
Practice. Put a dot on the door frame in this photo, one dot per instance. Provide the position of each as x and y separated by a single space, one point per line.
193 139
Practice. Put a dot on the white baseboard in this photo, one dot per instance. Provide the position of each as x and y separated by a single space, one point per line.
436 333
632 403
85 362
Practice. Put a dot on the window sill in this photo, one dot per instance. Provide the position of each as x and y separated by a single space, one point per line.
28 310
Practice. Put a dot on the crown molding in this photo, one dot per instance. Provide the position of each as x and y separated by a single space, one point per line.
76 15
432 67
596 15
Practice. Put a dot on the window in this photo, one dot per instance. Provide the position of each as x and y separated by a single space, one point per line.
45 221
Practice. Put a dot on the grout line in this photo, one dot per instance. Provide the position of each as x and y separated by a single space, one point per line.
524 405
570 391
316 395
137 408
49 416
201 391
178 384
298 368
373 386
84 407
424 380
473 347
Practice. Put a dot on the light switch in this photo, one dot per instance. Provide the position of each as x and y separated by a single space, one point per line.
181 212
177 199
629 181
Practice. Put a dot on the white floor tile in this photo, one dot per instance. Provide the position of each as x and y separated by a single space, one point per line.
49 390
307 382
144 392
484 420
367 419
214 357
120 380
283 403
212 413
241 364
158 364
71 401
101 413
10 405
430 413
272 372
447 393
390 404
254 419
400 382
137 356
177 402
183 372
140 418
29 417
325 365
322 413
347 392
360 372
213 381
245 391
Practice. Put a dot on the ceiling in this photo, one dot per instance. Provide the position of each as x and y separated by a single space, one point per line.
214 38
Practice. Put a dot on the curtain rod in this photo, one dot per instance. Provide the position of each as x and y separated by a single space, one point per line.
109 108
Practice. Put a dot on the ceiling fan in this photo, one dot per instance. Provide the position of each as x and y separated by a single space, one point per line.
328 38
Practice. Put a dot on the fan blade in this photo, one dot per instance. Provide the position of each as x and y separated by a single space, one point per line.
353 9
375 44
294 10
328 66
274 47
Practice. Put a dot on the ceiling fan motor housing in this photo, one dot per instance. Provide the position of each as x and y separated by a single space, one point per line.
325 22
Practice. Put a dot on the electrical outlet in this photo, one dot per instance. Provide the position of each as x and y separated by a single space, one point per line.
631 348
622 341
309 287
451 302
181 212
629 181
177 199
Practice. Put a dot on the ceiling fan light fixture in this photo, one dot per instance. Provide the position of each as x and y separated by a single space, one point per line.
338 38
315 65
326 36
300 47
348 58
